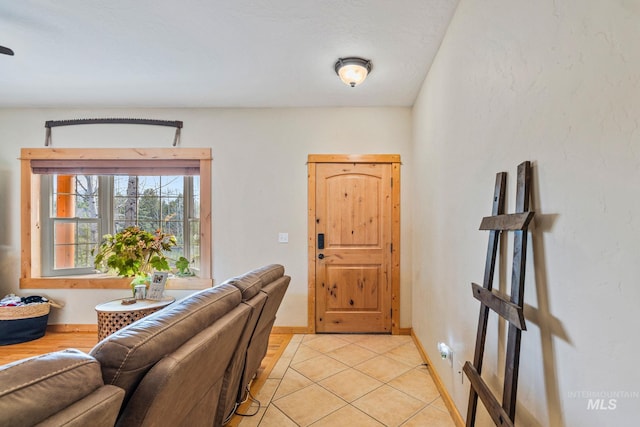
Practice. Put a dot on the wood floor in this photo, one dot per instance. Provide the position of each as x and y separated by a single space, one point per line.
52 341
84 341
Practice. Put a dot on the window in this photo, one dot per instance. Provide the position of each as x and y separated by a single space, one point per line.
74 196
79 209
71 223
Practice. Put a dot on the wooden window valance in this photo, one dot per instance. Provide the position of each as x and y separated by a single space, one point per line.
142 167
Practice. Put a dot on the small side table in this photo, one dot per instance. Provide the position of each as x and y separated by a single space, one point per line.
113 315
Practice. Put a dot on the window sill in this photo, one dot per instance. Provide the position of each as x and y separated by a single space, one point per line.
107 282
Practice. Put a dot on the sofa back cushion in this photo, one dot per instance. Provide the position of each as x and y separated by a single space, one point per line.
233 376
269 273
248 284
259 342
253 281
128 354
34 390
251 285
183 388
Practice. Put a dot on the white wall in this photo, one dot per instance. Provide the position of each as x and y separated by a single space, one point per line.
557 83
259 184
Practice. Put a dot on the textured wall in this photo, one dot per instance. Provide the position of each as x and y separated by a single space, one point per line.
554 82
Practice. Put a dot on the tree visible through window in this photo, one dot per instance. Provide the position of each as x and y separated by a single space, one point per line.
74 221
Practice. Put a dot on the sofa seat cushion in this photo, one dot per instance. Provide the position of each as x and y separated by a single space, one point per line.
34 389
128 354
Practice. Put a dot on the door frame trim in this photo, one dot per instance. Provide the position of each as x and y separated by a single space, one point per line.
394 160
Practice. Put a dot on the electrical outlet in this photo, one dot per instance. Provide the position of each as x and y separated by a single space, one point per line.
460 372
283 237
445 353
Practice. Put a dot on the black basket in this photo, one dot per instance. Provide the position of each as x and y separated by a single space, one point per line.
22 330
23 323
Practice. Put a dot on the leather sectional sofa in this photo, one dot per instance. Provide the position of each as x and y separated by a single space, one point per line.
189 364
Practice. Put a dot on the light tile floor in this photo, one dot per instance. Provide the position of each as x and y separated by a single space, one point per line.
350 380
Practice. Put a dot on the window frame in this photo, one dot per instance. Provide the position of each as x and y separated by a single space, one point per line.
30 259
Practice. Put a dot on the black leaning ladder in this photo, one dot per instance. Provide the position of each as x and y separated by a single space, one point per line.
508 307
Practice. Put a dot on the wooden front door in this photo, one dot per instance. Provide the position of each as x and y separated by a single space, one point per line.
353 246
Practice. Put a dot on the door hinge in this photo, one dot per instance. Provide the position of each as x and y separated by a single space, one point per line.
391 247
392 181
391 313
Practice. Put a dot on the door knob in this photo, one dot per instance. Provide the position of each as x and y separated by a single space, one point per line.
320 256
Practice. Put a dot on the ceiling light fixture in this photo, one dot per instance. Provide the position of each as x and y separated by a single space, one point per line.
353 71
6 50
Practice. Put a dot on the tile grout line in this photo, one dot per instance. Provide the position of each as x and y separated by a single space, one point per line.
304 340
349 366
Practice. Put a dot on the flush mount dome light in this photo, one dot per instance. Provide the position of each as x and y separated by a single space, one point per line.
353 71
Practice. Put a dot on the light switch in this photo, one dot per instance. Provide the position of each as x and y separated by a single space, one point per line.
283 237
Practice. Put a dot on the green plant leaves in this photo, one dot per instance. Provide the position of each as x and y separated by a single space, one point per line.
134 251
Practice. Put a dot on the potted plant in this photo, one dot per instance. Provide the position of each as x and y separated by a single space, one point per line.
182 268
134 252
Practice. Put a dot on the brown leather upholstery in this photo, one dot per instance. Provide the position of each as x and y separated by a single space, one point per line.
249 284
260 339
127 355
100 408
233 376
63 388
263 290
184 387
183 365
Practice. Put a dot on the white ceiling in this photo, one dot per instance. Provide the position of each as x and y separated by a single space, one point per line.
215 53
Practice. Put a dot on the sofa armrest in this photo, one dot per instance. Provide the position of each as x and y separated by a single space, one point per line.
35 389
99 409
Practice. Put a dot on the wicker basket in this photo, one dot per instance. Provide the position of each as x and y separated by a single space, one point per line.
27 311
24 311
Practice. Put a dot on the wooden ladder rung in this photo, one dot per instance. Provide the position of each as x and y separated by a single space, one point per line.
501 305
508 222
498 414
